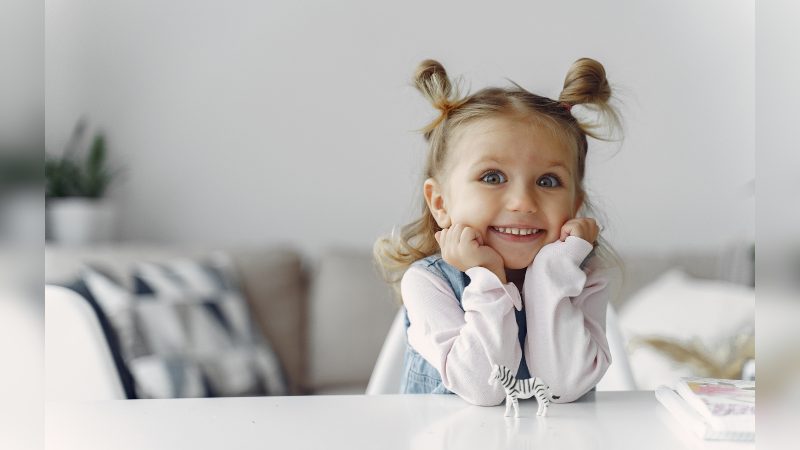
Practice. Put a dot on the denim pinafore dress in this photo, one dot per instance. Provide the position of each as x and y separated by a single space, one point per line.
419 376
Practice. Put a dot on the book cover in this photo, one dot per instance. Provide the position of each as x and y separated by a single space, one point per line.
691 420
728 405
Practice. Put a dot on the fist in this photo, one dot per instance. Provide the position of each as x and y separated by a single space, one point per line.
585 228
462 247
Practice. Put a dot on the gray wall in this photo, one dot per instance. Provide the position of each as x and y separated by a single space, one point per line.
250 122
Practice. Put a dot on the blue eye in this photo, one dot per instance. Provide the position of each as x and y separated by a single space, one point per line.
549 181
493 178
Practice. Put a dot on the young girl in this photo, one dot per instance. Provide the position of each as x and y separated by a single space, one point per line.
497 270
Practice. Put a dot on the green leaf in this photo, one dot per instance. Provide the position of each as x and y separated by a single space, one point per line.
65 177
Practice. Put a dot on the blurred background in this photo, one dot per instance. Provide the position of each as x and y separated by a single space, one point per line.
270 144
21 222
294 122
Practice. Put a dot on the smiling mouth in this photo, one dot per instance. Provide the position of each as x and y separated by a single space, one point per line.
518 231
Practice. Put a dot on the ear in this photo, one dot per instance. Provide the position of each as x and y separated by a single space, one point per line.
435 200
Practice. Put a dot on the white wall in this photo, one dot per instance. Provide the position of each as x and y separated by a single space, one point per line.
253 122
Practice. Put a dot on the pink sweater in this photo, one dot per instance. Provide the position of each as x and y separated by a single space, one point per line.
565 307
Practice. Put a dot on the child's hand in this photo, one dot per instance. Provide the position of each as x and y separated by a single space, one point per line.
462 247
585 228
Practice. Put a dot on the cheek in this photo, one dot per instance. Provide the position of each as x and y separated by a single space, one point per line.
475 218
575 202
560 211
473 209
484 214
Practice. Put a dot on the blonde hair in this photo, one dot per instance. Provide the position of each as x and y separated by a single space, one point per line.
585 84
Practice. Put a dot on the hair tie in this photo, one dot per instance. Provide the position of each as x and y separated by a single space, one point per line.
445 107
566 106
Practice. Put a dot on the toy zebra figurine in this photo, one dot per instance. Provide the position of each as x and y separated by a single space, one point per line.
516 389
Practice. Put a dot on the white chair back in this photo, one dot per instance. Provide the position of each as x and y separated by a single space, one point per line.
385 377
619 376
78 361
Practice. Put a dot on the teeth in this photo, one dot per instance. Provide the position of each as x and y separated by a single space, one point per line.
517 231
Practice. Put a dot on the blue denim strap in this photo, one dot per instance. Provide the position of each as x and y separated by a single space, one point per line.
419 376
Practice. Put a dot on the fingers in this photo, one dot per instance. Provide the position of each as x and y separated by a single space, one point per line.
462 247
565 231
470 236
585 228
570 228
456 235
447 238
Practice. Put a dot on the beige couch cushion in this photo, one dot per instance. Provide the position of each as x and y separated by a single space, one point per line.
275 282
351 311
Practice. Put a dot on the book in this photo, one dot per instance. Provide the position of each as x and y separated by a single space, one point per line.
713 409
691 420
724 404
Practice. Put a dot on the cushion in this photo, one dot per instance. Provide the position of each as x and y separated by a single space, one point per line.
348 294
186 331
677 322
272 279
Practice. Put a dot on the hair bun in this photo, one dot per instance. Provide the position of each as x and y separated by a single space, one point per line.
432 81
586 83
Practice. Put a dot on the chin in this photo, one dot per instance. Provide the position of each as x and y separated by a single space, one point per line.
519 265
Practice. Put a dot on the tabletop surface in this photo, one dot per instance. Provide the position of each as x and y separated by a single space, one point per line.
602 420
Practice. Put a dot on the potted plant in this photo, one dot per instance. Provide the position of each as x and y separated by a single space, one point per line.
77 211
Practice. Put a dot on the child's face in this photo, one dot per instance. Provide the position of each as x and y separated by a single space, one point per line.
507 173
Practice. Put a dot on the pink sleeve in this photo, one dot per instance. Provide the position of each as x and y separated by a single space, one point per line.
566 343
462 345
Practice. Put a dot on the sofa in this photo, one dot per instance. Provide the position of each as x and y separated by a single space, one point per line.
327 315
306 310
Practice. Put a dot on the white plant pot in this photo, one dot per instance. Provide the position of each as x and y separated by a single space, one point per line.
80 221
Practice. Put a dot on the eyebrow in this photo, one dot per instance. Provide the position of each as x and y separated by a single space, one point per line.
549 164
561 165
486 160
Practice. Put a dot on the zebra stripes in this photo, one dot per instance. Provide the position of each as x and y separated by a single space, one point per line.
516 389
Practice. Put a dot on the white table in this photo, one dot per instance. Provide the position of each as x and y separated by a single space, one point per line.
605 420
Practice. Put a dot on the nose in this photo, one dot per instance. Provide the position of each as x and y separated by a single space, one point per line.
522 199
